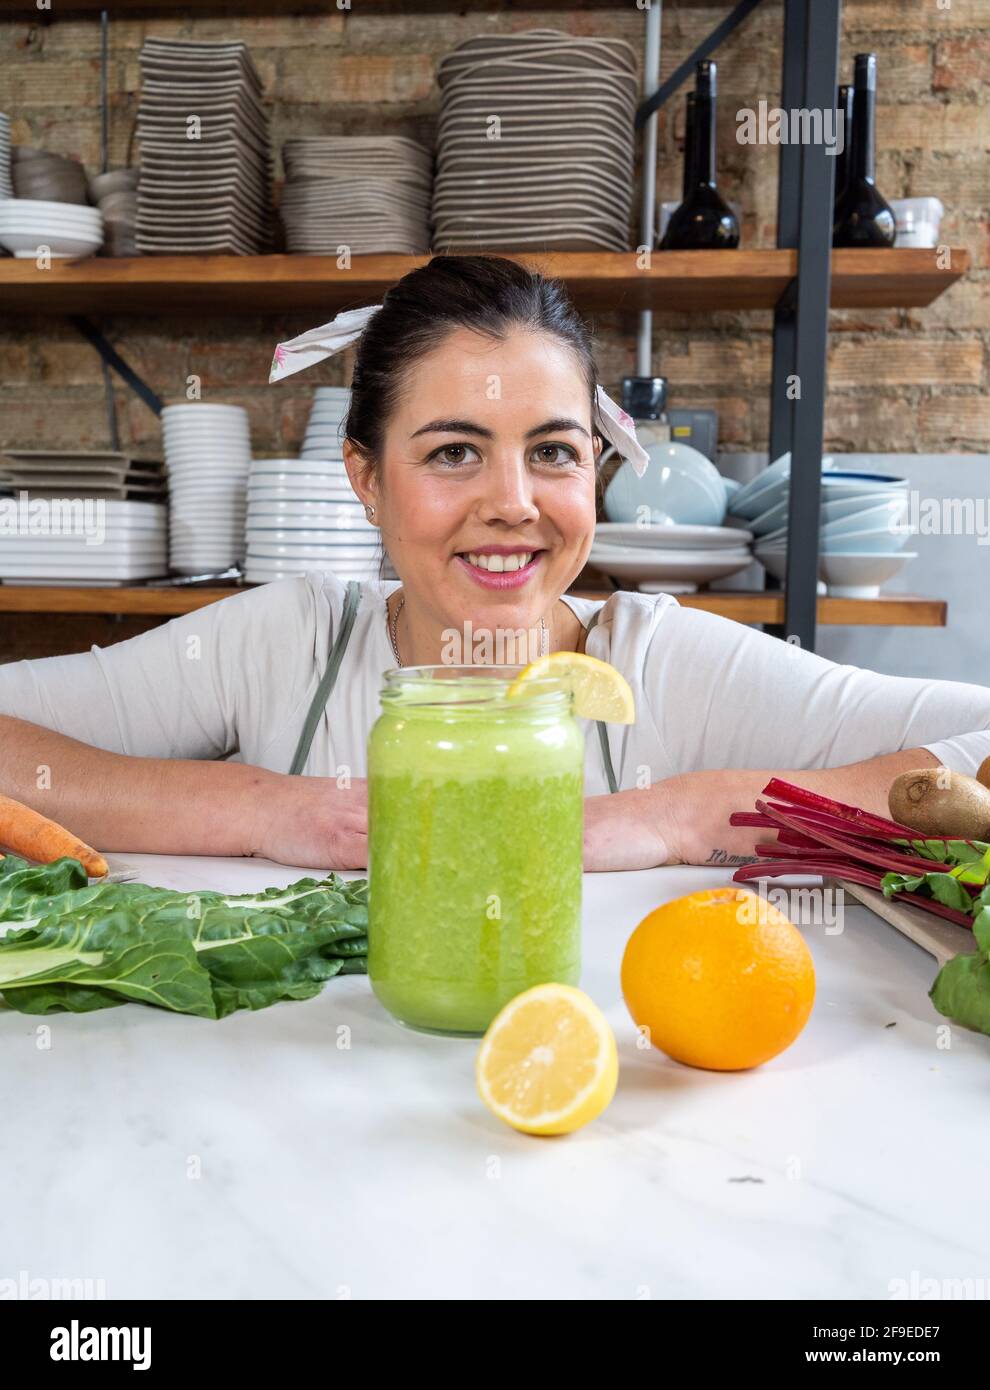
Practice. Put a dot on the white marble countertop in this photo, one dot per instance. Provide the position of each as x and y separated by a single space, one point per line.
854 1159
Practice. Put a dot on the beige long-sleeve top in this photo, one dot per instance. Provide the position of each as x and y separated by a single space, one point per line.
235 679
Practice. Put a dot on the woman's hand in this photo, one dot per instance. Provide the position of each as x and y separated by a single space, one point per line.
312 822
629 830
681 820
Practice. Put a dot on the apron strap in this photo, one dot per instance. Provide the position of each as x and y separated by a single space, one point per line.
326 685
610 777
329 678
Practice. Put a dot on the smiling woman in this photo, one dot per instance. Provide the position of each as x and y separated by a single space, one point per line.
491 515
473 436
488 507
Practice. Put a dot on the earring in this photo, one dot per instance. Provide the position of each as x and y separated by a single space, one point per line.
370 511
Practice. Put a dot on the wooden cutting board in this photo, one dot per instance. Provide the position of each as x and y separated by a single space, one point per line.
940 938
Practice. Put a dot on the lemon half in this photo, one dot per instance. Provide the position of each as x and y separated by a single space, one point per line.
600 691
548 1063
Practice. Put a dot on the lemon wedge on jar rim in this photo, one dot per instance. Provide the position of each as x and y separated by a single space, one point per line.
600 691
548 1063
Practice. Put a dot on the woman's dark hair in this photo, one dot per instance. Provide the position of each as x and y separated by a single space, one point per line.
488 294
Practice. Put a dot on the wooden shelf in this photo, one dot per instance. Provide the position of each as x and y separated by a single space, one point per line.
141 601
696 281
193 9
889 610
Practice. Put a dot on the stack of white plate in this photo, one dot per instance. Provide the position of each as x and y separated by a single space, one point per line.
206 167
6 184
325 437
207 457
324 429
669 559
535 143
863 526
33 226
368 192
113 543
303 515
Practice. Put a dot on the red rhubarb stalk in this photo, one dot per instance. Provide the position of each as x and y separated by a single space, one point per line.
855 873
829 822
815 801
782 851
870 853
823 868
750 818
794 837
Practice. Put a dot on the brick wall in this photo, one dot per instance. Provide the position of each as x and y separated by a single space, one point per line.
899 380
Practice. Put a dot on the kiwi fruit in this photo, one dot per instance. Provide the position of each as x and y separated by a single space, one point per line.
983 773
941 804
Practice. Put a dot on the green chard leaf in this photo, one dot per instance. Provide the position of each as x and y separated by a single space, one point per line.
948 851
944 888
962 987
948 890
962 991
901 883
981 926
69 945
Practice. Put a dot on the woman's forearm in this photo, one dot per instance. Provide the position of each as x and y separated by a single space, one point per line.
696 806
115 802
685 819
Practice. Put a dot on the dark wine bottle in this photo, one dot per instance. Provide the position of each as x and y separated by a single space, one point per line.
862 215
704 221
690 102
843 125
690 115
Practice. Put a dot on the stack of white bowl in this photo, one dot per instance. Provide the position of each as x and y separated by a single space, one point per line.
664 530
207 457
6 183
863 523
30 227
355 555
324 429
680 485
303 515
115 194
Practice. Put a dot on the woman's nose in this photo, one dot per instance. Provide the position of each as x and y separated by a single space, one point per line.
507 492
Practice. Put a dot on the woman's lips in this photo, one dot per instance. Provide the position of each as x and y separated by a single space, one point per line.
506 579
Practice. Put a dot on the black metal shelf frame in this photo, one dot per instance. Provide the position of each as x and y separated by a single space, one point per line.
806 178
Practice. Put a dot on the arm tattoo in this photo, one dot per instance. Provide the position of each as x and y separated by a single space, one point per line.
721 856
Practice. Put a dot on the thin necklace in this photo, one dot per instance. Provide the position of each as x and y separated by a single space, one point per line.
393 632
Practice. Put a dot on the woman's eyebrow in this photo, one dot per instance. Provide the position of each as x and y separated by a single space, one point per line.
469 427
453 427
554 426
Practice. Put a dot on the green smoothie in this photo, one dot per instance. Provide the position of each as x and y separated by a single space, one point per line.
475 807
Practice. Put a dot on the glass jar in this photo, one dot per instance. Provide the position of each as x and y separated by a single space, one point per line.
475 840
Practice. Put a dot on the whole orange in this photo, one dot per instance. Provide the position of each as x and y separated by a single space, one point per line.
720 979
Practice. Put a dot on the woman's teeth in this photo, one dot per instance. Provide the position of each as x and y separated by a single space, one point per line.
499 564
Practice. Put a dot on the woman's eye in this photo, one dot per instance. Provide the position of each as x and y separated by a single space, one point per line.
453 455
555 455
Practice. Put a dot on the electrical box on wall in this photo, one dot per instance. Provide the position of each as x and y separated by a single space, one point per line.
699 428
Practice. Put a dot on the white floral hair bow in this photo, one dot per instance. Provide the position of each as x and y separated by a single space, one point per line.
308 348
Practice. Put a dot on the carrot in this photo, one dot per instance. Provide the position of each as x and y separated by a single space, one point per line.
29 833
